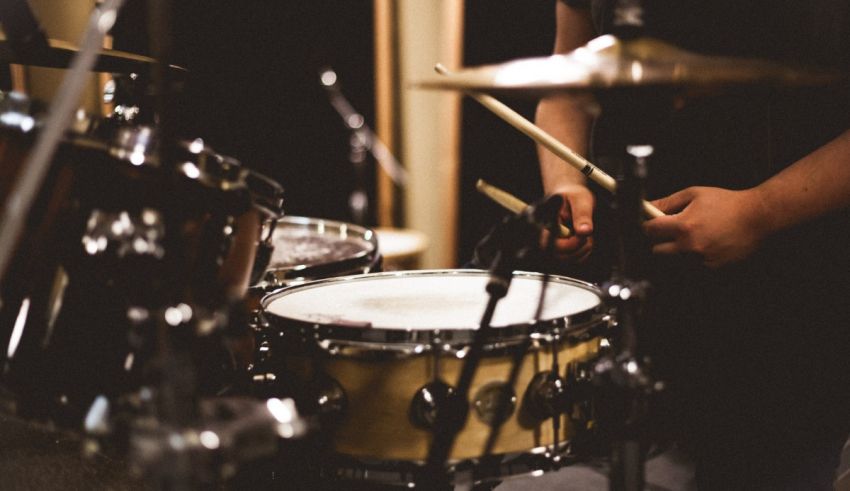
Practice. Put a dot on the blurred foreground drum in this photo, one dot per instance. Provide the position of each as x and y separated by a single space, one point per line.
133 243
381 350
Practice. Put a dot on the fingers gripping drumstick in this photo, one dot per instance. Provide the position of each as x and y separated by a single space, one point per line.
509 201
578 162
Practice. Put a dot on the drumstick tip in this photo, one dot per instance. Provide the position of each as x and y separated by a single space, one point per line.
441 69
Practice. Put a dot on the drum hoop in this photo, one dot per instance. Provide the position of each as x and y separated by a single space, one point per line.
229 177
414 341
403 472
281 276
268 196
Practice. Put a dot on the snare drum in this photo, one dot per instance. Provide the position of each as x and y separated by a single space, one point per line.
379 347
314 248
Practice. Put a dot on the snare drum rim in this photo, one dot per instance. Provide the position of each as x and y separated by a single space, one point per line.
332 337
276 277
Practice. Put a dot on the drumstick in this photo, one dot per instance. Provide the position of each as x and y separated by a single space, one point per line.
566 154
509 201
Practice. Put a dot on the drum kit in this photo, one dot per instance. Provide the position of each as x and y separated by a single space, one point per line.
159 304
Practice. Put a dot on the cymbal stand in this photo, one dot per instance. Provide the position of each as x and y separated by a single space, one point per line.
623 379
362 140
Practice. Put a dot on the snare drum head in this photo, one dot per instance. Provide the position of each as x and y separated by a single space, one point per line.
428 301
316 248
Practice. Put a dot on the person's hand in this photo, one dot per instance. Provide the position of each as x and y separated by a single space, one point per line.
578 209
719 225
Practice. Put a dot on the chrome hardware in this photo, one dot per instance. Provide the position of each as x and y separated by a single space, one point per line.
545 395
428 401
137 144
138 234
488 400
15 112
330 397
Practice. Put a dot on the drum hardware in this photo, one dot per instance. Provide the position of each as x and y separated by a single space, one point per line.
358 143
16 112
494 403
428 402
227 433
362 137
623 377
330 396
267 197
436 395
513 239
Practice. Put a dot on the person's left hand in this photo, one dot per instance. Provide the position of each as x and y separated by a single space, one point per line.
719 225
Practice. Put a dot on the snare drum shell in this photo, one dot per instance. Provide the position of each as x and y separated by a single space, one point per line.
380 384
377 425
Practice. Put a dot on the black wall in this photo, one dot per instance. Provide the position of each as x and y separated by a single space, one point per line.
253 92
498 31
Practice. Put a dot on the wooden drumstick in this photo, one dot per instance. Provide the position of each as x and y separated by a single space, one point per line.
509 201
566 154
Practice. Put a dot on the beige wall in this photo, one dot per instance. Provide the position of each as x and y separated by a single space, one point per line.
430 32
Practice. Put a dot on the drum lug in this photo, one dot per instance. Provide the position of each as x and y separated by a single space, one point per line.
545 396
429 400
490 398
330 397
257 321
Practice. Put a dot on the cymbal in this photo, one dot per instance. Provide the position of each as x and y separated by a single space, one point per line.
607 63
60 53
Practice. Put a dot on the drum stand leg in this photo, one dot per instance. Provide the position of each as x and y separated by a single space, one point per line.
623 379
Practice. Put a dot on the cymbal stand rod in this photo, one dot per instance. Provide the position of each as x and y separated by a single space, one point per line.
160 38
502 405
355 122
19 202
620 376
452 416
556 416
623 377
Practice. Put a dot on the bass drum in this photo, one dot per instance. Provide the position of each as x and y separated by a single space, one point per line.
379 352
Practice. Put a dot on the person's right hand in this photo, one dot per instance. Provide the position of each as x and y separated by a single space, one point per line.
578 209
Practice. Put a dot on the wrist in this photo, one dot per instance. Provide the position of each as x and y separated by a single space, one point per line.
565 187
762 218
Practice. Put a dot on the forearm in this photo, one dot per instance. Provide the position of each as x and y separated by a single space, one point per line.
565 120
811 187
562 116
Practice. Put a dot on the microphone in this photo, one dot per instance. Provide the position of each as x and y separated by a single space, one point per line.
544 213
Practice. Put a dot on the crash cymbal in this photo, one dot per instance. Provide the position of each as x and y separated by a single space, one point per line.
60 53
607 63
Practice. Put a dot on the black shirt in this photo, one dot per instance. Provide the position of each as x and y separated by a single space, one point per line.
767 339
